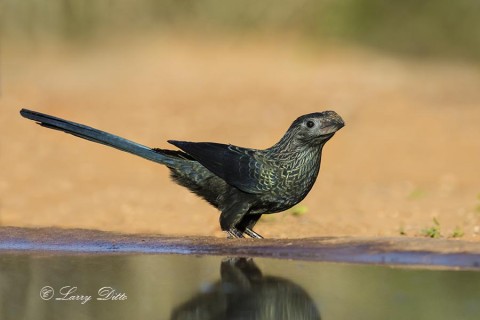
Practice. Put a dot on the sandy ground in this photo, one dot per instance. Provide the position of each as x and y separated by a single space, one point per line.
410 151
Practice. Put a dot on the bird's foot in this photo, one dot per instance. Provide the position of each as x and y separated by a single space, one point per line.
234 234
252 234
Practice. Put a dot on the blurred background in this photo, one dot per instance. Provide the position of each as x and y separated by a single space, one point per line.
404 76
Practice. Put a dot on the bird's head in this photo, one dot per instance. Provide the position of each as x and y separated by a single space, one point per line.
315 128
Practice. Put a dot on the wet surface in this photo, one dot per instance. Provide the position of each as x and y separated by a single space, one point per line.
390 251
169 286
85 274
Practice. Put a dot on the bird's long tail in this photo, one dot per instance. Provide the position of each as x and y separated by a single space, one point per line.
96 135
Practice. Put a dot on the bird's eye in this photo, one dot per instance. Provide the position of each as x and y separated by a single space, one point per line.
310 124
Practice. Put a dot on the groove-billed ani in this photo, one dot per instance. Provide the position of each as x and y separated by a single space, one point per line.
242 183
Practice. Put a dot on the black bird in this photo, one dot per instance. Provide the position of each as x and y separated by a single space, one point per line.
244 292
242 183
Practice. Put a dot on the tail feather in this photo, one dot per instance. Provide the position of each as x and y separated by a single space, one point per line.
96 135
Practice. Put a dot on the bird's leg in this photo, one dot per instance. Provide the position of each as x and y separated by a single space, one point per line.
230 217
252 234
247 224
234 233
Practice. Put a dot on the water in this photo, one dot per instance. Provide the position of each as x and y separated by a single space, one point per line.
143 286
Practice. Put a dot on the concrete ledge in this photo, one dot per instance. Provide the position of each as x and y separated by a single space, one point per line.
383 251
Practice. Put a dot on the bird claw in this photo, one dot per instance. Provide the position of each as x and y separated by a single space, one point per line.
234 234
252 234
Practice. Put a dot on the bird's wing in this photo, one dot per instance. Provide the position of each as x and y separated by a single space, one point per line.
237 166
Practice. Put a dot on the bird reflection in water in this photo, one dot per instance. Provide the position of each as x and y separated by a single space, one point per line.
245 293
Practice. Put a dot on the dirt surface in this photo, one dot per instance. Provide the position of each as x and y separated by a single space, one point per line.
372 250
410 151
